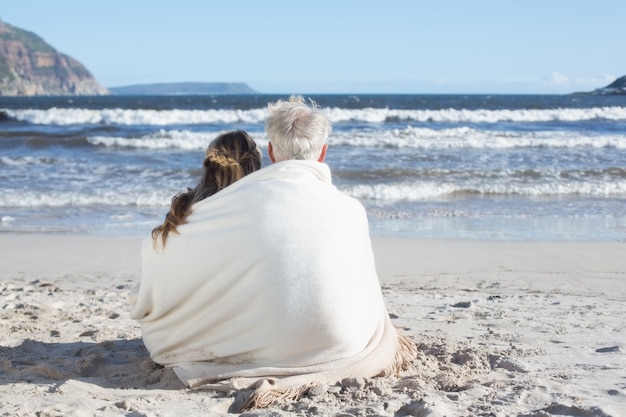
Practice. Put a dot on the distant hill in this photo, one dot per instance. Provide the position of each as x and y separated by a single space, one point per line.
31 67
617 87
187 88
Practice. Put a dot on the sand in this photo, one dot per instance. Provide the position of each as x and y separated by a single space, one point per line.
504 329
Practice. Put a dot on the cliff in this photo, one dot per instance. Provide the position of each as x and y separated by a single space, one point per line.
188 88
31 67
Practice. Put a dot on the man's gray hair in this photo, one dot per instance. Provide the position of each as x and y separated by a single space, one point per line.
296 130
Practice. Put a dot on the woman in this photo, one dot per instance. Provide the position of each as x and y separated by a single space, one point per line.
229 157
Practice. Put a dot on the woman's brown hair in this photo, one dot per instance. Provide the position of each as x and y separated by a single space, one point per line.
229 157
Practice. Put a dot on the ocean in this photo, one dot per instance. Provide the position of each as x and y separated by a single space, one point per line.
495 167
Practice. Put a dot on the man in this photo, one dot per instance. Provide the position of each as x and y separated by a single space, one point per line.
272 282
299 132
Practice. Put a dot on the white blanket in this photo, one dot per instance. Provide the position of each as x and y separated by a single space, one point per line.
272 282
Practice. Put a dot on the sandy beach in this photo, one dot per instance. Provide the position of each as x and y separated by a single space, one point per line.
504 328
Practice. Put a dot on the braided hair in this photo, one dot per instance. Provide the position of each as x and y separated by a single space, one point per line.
229 157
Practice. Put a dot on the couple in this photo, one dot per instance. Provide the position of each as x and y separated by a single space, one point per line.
264 279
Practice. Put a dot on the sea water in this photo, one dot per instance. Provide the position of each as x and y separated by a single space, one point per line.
438 166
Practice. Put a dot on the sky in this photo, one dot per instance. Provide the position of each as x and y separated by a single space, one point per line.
340 46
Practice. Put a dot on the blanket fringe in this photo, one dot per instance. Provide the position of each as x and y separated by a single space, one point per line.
404 358
263 396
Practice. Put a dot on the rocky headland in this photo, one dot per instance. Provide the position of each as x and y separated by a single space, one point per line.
617 87
31 67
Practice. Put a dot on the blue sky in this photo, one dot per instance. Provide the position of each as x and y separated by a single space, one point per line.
340 46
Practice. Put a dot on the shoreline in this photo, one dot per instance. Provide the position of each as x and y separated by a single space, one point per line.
530 328
502 229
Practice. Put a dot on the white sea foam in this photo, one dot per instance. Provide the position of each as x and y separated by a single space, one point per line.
409 137
69 116
26 199
373 115
428 190
465 137
388 192
24 160
164 139
181 139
